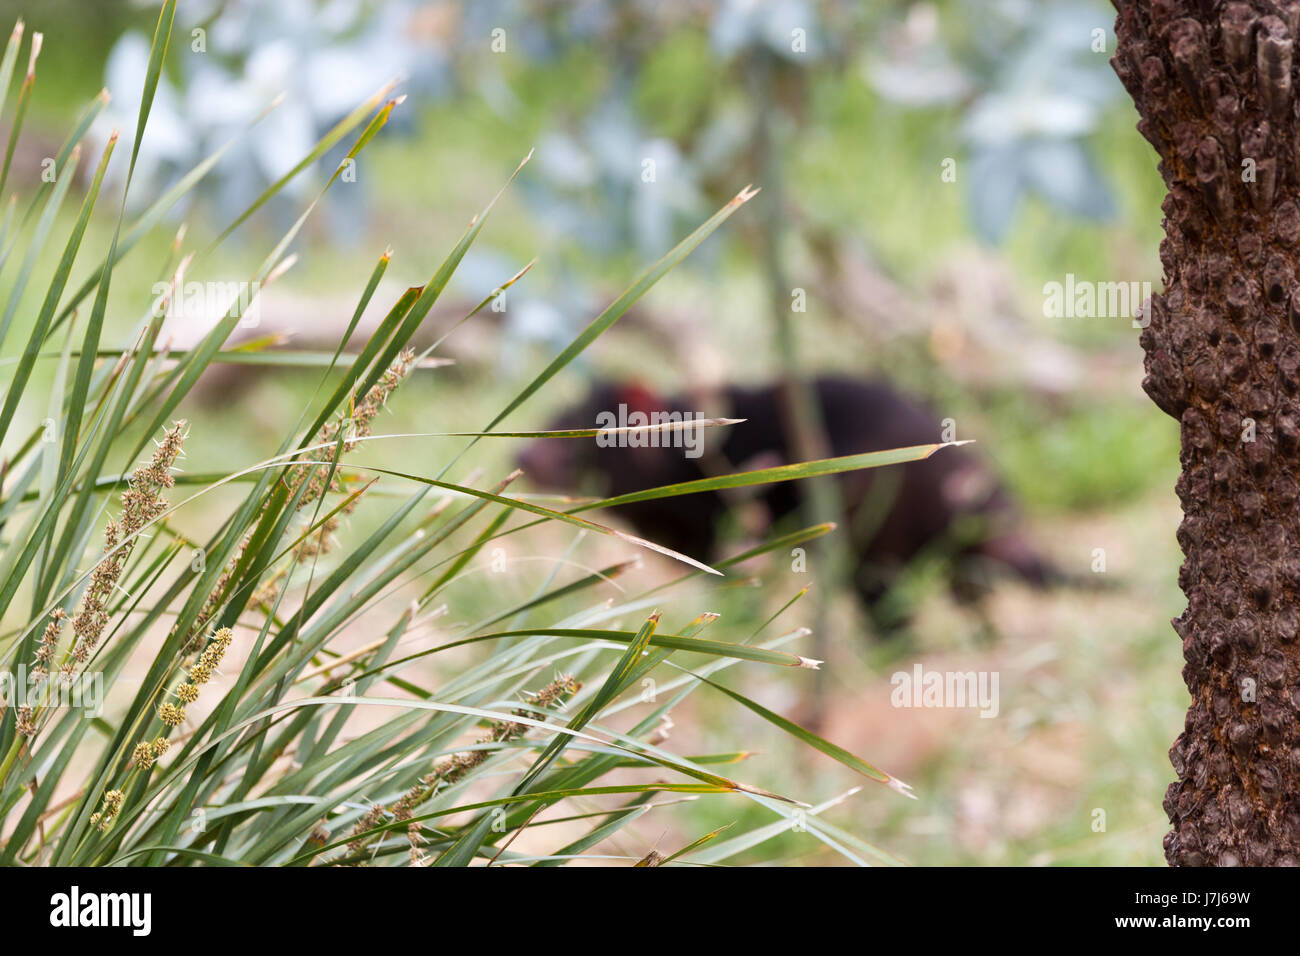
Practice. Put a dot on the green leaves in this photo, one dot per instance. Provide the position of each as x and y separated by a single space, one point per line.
764 476
814 741
277 760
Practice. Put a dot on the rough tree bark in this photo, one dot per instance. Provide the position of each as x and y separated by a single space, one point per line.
1214 87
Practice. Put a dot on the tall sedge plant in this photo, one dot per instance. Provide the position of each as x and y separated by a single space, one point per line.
267 766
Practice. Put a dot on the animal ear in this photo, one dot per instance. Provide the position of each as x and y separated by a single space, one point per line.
639 398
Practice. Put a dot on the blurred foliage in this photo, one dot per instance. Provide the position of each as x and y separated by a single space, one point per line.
868 102
1051 459
1029 89
865 119
83 33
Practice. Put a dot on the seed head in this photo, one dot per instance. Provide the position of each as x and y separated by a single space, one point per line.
143 756
25 723
142 502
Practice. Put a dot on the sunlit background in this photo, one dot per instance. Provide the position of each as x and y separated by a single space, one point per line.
926 169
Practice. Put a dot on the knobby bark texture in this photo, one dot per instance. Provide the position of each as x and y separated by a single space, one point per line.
1214 85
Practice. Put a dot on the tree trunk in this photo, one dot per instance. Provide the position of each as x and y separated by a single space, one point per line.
1213 86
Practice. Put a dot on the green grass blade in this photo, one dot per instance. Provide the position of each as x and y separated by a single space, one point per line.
764 476
10 59
37 243
619 306
20 111
812 740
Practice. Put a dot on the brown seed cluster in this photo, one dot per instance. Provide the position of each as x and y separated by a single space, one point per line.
49 646
107 813
25 721
315 478
357 427
213 602
1214 84
146 753
200 673
142 502
354 427
142 756
451 769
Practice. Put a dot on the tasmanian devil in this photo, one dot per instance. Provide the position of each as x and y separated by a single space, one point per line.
949 505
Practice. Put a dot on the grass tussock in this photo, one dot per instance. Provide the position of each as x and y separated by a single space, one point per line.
259 695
